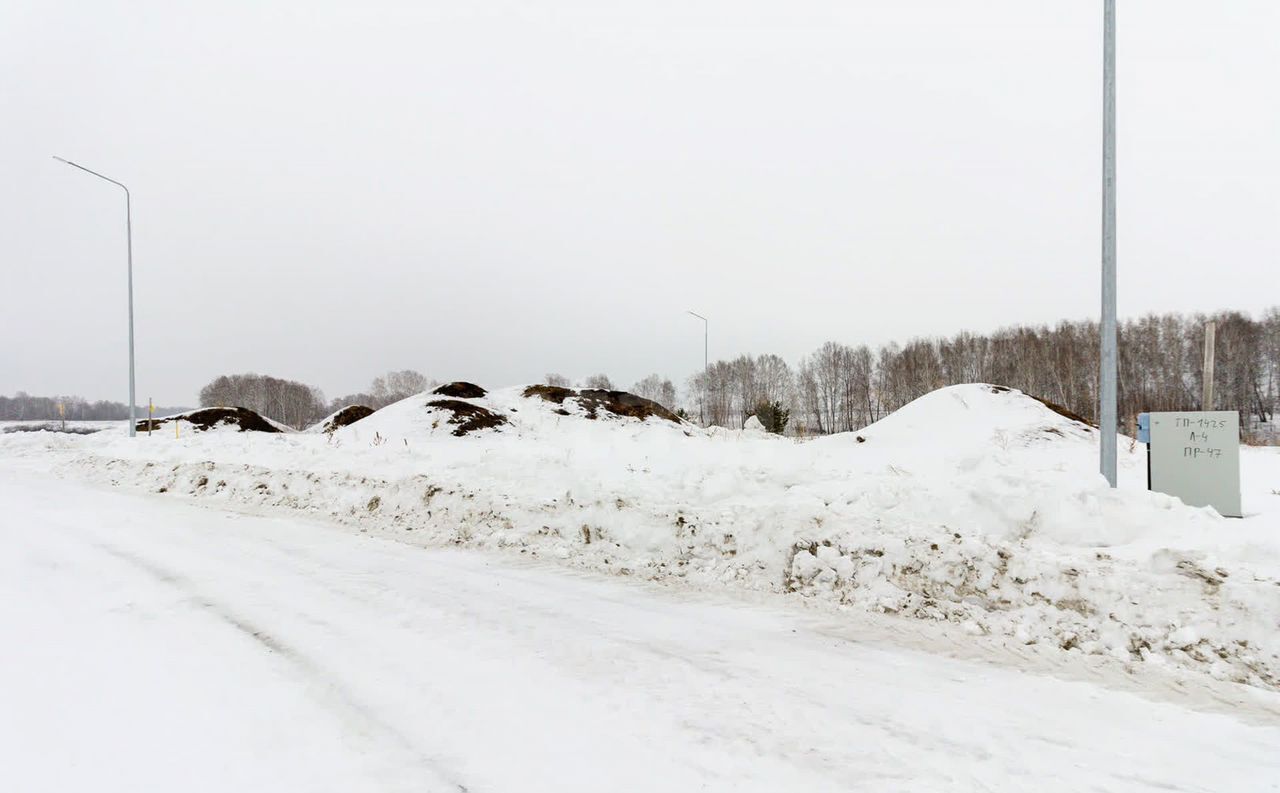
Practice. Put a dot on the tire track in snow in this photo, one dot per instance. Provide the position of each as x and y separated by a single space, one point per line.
337 697
1188 690
476 518
284 576
721 679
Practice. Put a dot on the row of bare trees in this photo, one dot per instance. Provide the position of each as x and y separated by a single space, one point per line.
300 405
727 393
656 387
25 407
286 401
390 387
839 387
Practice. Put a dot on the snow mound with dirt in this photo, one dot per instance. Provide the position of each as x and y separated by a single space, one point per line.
986 457
972 419
340 418
523 413
974 505
215 419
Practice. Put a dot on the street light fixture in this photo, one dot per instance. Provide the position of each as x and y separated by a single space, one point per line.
128 227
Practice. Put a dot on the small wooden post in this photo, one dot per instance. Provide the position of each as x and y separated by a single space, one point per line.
151 415
1206 402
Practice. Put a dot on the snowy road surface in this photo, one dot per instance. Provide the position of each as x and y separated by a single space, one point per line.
156 646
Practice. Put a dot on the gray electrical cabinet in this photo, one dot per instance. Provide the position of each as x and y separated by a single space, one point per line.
1195 455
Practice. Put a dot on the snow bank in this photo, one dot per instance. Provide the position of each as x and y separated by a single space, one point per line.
340 418
975 504
523 416
215 419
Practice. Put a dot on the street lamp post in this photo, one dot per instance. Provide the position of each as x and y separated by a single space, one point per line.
128 227
1107 357
706 332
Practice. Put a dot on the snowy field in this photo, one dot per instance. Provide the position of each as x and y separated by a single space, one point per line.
950 599
81 427
151 645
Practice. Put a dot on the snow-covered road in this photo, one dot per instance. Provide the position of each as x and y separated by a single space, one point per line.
157 646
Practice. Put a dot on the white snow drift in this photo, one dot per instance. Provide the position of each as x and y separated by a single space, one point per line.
975 505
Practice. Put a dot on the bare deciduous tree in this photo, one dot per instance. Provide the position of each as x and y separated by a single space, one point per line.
286 401
395 386
839 388
657 388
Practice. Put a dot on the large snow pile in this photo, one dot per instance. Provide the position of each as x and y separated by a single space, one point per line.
236 419
340 418
527 416
975 505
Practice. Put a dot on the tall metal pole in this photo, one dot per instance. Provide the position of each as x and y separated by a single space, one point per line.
128 227
1107 360
706 335
1206 375
706 332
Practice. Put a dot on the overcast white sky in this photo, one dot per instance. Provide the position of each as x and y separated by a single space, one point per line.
490 191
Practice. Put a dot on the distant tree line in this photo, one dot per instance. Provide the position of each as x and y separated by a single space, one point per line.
300 405
390 387
655 387
839 387
289 402
25 407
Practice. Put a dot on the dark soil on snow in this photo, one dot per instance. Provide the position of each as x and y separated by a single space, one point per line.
469 417
208 418
461 390
550 393
348 415
53 426
1066 413
593 400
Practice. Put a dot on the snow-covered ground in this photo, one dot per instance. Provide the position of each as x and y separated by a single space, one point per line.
975 506
151 645
85 427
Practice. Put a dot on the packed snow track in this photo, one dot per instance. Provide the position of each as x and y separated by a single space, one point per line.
151 645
